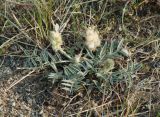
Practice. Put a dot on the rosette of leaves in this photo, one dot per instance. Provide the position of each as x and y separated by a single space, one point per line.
95 69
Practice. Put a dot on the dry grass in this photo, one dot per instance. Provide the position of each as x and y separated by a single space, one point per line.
24 36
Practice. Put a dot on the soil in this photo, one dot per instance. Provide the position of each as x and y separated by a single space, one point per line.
29 98
35 96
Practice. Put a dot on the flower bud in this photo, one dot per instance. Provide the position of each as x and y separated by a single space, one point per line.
78 58
108 65
125 52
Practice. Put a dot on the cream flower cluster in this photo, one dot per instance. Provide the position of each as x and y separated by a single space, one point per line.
91 35
55 38
92 38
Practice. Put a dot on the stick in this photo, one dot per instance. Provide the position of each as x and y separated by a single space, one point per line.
16 82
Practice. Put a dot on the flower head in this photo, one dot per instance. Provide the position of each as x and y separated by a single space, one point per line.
92 38
55 38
